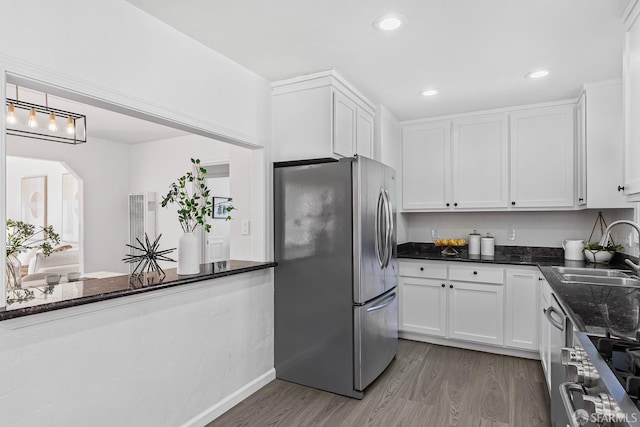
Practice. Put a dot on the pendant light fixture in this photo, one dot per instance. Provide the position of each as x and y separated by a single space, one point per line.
53 126
75 131
33 120
11 114
71 126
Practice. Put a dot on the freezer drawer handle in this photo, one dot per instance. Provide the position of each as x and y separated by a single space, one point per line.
565 393
551 320
387 301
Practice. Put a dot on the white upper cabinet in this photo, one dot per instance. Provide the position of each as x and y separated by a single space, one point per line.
480 155
344 125
542 157
511 160
426 166
605 145
320 115
364 133
581 152
631 82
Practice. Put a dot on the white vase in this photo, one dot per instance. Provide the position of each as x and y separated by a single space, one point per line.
14 271
188 254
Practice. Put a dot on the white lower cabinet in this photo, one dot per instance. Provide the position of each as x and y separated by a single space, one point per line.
545 331
489 307
476 312
423 305
522 312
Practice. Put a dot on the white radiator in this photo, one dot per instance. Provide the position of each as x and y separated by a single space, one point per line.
142 219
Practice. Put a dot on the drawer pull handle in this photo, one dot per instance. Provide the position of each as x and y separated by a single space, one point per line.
451 286
475 272
443 285
620 188
421 268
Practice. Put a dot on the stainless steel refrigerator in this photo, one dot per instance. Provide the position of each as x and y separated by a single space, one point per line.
336 306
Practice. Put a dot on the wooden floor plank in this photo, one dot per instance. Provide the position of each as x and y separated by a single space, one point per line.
426 385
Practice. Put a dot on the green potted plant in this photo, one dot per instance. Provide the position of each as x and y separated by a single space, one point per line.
195 206
21 237
598 254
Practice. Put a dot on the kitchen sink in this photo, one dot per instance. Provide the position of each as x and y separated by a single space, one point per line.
591 272
592 276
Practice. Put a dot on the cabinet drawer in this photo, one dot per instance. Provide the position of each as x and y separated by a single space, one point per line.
423 269
477 274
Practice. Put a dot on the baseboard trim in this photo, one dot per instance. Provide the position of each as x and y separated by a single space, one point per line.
470 346
210 414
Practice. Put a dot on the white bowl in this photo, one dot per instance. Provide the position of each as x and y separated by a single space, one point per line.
598 257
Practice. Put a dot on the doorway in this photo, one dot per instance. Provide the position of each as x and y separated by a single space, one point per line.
217 243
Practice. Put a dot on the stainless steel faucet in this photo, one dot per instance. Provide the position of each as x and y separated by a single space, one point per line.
607 232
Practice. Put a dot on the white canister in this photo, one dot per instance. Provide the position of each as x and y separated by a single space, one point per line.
487 246
474 243
573 250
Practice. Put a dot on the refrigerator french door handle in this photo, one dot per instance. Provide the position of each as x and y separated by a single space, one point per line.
389 218
386 252
377 221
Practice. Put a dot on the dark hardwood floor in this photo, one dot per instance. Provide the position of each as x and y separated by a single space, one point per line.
427 385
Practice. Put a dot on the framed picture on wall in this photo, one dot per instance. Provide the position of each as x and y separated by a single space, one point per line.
70 209
33 203
220 205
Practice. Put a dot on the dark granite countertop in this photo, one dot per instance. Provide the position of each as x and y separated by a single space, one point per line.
43 298
515 255
599 309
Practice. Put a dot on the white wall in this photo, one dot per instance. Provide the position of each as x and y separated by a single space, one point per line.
21 167
532 228
103 166
156 362
133 58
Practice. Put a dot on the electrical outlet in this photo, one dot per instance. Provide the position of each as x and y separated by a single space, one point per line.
434 233
511 234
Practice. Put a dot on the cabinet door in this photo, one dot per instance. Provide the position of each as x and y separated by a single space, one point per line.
480 154
631 81
344 125
581 145
423 305
364 133
545 331
542 157
605 146
476 312
522 295
426 166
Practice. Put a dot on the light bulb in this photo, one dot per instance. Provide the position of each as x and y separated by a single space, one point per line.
33 121
53 126
71 126
11 114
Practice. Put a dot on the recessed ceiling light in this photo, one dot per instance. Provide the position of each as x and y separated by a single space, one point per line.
388 22
537 74
428 92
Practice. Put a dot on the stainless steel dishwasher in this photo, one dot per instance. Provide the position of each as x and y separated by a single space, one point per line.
561 335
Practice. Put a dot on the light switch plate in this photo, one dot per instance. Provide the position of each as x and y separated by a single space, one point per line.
511 234
245 227
434 233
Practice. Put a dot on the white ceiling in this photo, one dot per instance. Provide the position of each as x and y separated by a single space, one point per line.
102 124
475 52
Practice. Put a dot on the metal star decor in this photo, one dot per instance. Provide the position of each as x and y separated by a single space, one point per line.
148 260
